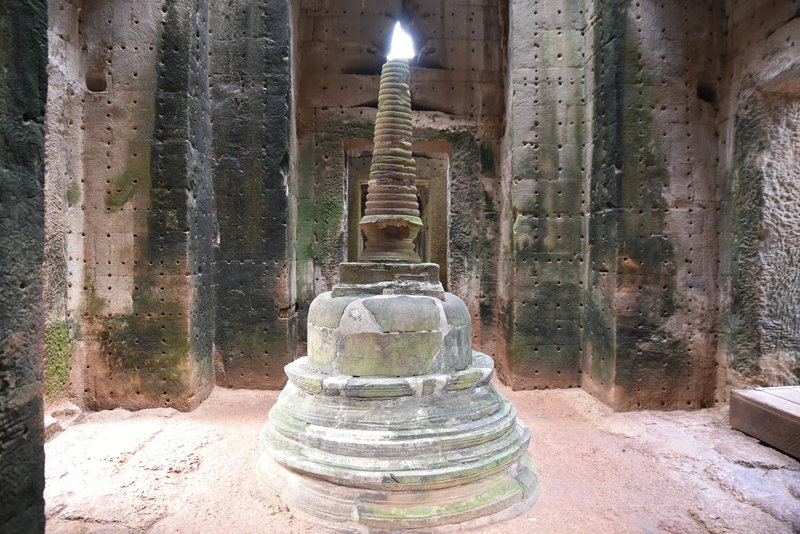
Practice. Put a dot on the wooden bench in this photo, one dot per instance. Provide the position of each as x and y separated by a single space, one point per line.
771 415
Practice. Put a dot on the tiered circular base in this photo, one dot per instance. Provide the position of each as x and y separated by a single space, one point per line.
386 454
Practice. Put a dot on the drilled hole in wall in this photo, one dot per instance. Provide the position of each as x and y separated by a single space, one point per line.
96 81
706 93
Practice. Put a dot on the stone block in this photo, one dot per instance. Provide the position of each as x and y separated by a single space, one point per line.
387 354
327 312
527 235
603 241
132 70
322 345
543 366
372 28
388 335
173 112
253 227
460 54
319 8
552 48
533 160
404 314
564 196
172 68
456 311
170 162
252 338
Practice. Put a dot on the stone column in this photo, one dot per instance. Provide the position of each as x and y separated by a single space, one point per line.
23 89
148 314
650 325
254 300
544 261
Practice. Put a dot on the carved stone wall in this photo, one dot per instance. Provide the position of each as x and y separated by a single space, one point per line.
759 135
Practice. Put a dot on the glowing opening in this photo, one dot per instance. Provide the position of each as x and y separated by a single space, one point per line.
402 44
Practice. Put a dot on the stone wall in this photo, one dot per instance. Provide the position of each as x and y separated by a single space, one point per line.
545 196
759 182
622 99
615 194
23 86
136 206
652 233
254 332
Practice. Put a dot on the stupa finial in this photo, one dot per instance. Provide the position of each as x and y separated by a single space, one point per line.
391 219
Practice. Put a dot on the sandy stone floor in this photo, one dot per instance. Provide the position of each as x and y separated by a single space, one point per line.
161 471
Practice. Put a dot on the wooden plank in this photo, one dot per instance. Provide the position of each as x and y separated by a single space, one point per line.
776 403
789 393
768 418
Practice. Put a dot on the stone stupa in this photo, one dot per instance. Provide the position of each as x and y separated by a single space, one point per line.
391 423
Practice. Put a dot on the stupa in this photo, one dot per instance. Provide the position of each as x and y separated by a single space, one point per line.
391 423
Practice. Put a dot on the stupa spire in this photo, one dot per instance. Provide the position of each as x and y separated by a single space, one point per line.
391 219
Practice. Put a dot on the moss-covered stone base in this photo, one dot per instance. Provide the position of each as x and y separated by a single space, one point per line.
346 509
408 457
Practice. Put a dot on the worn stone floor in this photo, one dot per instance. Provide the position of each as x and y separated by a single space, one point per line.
162 471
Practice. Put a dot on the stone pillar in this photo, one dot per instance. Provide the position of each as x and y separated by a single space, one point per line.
23 89
254 280
650 325
545 195
147 199
63 269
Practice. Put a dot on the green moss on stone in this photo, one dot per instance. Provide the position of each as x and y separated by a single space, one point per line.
743 204
318 225
94 305
136 175
72 193
305 218
57 359
154 348
374 354
488 160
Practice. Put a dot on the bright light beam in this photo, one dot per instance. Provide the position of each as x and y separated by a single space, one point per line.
402 44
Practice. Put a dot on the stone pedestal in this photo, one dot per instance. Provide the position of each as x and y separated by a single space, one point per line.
390 422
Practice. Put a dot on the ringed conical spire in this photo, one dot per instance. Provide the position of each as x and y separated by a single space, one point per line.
391 219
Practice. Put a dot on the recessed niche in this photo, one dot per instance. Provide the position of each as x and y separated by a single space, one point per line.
706 93
96 81
432 181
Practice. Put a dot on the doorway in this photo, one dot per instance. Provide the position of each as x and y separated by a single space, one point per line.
433 179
